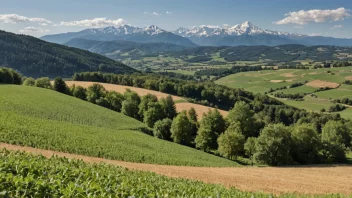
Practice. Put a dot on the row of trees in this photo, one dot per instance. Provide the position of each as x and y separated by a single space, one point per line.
295 96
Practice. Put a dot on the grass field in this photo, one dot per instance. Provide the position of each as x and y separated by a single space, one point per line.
181 103
46 119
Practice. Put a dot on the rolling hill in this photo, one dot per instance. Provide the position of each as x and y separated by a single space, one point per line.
67 124
36 58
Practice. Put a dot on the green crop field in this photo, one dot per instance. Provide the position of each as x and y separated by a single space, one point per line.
46 119
25 175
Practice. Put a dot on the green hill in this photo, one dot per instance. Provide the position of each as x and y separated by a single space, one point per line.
36 58
46 119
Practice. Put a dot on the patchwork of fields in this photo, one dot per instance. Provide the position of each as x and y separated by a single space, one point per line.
313 79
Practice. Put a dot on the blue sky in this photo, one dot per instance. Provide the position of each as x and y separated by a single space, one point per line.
40 17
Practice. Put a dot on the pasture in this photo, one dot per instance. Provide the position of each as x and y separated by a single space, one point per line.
42 118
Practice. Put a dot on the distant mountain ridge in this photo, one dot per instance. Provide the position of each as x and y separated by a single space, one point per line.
150 34
241 34
34 57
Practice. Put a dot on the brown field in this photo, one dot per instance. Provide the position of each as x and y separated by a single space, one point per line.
288 75
181 104
322 84
348 77
279 180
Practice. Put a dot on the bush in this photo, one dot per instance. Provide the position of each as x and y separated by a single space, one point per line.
43 82
162 129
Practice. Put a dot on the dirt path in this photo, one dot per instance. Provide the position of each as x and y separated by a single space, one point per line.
303 180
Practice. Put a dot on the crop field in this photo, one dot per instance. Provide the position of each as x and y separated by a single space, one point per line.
181 103
42 118
313 79
322 181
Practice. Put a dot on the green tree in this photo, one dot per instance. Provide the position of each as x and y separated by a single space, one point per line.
169 107
153 114
274 145
211 126
145 101
43 82
162 129
29 82
306 144
231 142
250 147
60 85
79 92
192 116
333 137
242 114
130 104
181 131
95 92
114 100
10 76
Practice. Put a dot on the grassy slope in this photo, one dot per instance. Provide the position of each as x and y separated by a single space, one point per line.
46 119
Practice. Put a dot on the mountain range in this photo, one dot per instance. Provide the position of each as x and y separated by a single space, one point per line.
241 34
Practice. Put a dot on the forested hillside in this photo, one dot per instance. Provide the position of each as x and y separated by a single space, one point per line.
34 57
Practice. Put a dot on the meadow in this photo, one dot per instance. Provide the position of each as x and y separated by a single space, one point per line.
42 118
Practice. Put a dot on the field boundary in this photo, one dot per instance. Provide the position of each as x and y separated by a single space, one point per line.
301 180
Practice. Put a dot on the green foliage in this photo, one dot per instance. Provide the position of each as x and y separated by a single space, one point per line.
34 57
29 82
243 115
333 137
274 145
162 129
10 76
130 104
95 92
145 100
169 107
63 123
192 116
231 142
114 100
43 82
153 114
211 126
60 85
306 144
250 147
181 129
79 92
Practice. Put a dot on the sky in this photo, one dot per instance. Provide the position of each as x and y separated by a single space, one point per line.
310 17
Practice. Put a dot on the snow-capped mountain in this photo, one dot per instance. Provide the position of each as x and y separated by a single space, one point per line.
241 34
150 34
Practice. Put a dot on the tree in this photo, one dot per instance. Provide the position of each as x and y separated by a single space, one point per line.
242 114
231 142
162 129
250 147
130 104
306 144
333 138
10 76
181 129
274 145
211 126
60 85
192 116
29 82
114 100
43 82
153 114
145 100
95 92
169 107
79 92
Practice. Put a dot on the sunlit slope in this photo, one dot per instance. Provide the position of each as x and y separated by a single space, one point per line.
47 119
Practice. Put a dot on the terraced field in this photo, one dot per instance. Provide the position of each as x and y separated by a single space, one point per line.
42 118
181 103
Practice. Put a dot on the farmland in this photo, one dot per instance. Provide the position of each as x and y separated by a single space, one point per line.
46 119
181 103
246 179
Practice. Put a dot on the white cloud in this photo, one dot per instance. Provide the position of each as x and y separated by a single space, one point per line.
167 12
14 18
33 29
97 22
210 26
226 25
318 16
156 14
337 27
145 12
